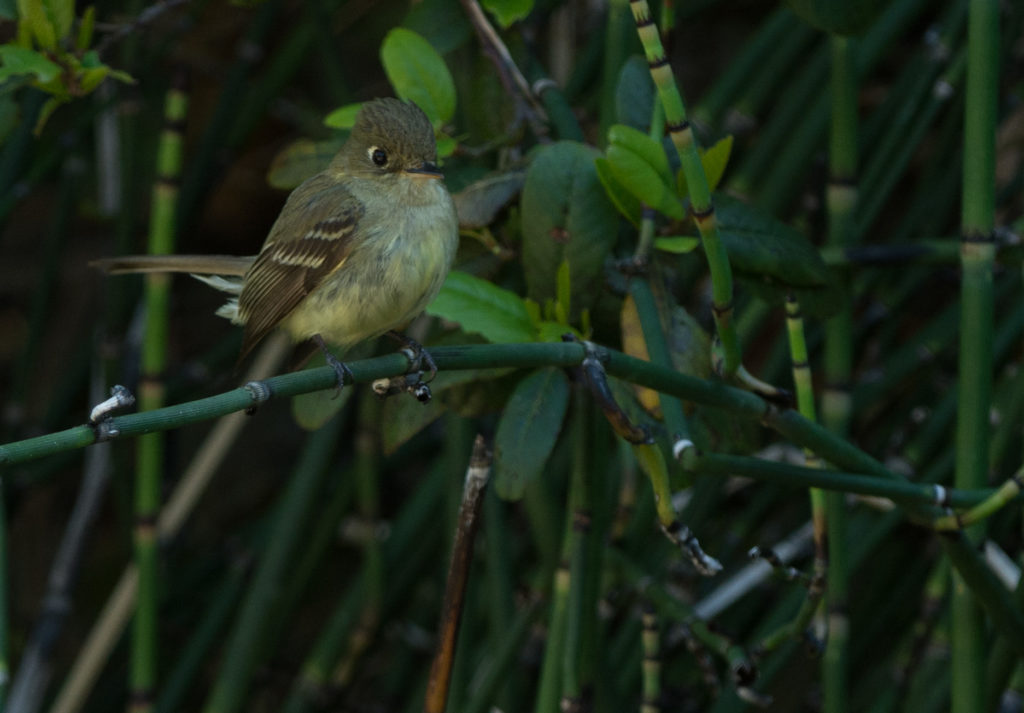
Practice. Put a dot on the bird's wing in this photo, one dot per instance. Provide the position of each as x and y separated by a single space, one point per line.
292 265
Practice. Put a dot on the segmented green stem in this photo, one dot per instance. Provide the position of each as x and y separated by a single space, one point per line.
701 206
150 447
976 324
652 663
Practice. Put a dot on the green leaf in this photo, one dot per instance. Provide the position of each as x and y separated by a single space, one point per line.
419 74
21 60
760 245
85 28
678 244
441 22
508 11
713 160
566 215
634 94
343 117
623 200
563 281
652 152
89 79
483 308
479 203
642 180
32 15
639 163
528 430
60 13
300 160
46 111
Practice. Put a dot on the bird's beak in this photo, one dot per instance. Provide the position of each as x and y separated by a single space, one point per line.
427 170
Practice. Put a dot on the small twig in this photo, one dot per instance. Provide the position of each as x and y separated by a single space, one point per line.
515 83
147 16
458 576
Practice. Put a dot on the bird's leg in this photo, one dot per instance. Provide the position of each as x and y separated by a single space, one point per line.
418 356
341 372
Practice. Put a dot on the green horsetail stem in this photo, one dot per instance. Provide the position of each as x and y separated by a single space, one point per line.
150 448
976 328
651 692
841 200
703 211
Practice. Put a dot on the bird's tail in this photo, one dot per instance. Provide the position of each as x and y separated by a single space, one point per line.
225 265
221 272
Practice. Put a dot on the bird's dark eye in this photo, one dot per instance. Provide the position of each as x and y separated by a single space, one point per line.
379 156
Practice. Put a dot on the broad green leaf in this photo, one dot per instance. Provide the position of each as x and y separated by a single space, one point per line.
625 201
714 160
677 243
49 106
563 280
508 11
642 180
8 10
483 308
478 203
441 22
33 16
528 430
85 28
91 78
300 160
760 245
634 94
652 152
21 60
419 74
343 117
60 13
566 215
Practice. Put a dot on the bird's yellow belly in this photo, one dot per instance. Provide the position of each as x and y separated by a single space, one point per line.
381 286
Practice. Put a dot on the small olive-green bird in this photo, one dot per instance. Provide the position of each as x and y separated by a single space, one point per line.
358 250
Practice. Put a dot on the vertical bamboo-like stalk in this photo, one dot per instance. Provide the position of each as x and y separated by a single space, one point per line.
574 685
647 310
246 642
836 406
804 387
652 662
701 207
150 447
977 254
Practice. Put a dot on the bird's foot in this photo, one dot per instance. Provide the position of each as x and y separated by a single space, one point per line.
419 358
341 372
